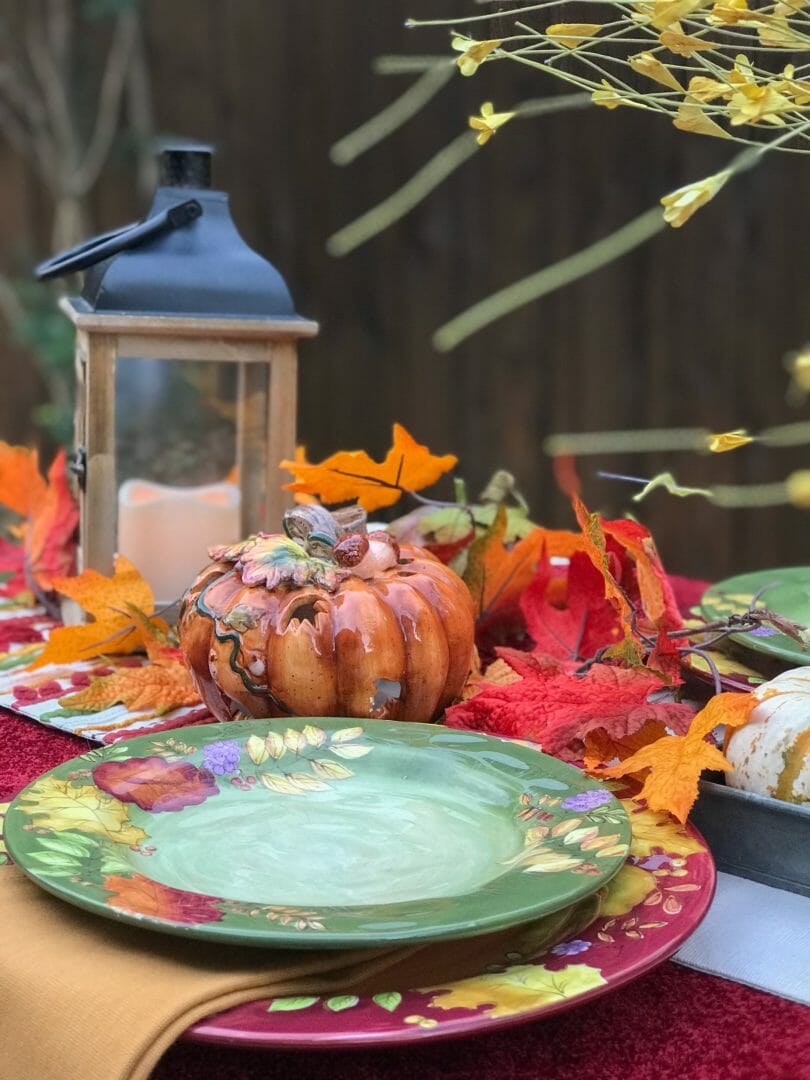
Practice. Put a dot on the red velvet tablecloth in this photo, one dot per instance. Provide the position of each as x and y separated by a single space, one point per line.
671 1024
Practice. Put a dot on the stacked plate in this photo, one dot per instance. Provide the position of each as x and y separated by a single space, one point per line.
785 592
325 833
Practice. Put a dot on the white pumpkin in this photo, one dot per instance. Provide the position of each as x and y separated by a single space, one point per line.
770 755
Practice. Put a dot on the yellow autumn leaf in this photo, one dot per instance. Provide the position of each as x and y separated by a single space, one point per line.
275 745
346 734
519 989
351 474
61 806
109 601
330 770
680 205
572 34
728 440
314 736
684 44
549 862
691 117
630 886
647 64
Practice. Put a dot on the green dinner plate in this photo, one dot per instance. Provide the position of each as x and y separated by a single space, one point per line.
318 832
785 591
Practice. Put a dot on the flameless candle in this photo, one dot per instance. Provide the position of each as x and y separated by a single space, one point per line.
166 531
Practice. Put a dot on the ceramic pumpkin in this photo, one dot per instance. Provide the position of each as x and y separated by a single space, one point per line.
312 623
770 755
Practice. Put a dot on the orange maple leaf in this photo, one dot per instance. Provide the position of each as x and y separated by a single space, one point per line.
21 485
158 686
675 762
497 575
109 601
49 507
601 748
352 475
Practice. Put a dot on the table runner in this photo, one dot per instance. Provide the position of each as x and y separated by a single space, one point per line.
672 1024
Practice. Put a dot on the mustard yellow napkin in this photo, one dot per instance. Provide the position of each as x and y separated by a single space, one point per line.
82 996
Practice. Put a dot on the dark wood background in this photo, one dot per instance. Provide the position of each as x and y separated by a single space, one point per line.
689 330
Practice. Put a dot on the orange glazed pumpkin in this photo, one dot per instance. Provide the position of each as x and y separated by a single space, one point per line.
311 624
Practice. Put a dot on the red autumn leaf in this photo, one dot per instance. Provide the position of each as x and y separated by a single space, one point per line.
584 625
142 896
657 597
50 547
155 784
557 709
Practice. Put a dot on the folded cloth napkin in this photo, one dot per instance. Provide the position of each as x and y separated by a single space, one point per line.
82 996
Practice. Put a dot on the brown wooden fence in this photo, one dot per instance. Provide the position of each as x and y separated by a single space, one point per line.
690 329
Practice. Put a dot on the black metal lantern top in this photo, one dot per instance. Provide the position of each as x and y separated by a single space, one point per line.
186 258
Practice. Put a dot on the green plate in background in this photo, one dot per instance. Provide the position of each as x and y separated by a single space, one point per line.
785 591
310 833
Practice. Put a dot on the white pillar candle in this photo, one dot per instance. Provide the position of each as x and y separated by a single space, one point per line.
166 531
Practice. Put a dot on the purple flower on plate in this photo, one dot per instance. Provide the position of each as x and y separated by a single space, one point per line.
763 631
221 757
571 948
587 800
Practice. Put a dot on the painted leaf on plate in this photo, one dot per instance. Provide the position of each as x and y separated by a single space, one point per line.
155 784
143 896
59 805
517 990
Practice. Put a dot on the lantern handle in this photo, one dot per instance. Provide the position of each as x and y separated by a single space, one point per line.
90 252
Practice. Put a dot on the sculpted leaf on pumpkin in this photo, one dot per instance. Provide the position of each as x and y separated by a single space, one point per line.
271 560
61 806
519 989
155 784
351 475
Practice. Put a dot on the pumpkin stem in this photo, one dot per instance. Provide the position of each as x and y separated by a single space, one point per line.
314 528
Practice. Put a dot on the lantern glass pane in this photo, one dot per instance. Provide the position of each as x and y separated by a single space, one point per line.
176 454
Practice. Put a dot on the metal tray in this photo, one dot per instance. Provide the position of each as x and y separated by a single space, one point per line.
755 837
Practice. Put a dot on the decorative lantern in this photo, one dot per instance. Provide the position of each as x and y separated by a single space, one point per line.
186 370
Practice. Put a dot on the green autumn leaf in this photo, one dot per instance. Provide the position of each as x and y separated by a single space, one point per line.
388 1001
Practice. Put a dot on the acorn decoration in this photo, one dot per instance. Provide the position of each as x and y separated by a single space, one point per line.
322 622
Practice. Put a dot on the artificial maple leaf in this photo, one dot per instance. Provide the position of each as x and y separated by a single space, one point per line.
675 762
595 546
353 475
21 485
50 548
584 625
108 601
49 508
657 597
601 748
155 784
557 709
496 575
159 686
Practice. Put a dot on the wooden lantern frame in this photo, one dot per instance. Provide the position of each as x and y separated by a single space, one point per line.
266 352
